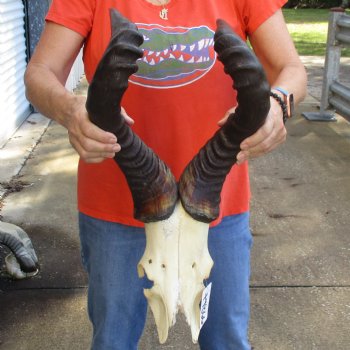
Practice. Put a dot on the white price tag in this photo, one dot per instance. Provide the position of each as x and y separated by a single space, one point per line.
205 305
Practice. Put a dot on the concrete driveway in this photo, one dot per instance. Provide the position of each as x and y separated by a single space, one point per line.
300 284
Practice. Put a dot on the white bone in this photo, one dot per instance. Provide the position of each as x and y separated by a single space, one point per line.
177 260
195 265
160 262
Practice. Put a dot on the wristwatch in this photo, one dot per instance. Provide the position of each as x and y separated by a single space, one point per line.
286 102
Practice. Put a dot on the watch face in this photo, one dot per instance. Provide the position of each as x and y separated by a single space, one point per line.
291 105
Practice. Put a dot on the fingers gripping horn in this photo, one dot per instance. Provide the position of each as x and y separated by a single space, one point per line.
153 186
151 183
202 180
176 257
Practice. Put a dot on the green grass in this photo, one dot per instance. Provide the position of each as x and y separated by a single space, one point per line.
308 28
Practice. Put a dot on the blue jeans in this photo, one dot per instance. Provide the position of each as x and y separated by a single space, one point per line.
116 304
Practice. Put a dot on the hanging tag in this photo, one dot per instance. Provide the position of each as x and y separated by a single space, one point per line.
205 305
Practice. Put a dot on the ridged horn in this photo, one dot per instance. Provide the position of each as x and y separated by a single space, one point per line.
20 245
201 182
152 185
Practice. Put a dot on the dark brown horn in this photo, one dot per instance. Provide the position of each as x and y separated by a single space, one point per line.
151 183
21 246
201 182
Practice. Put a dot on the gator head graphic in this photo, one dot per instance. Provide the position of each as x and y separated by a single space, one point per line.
174 56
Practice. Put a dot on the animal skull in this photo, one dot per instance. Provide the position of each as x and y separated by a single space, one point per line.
176 216
177 260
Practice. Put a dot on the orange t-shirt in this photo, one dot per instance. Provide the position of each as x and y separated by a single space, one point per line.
177 96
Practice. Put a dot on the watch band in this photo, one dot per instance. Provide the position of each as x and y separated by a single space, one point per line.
282 104
281 90
288 99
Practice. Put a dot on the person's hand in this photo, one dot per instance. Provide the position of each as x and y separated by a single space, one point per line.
222 121
267 138
92 143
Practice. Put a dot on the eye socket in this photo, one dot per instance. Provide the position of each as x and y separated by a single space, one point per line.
193 265
150 261
163 266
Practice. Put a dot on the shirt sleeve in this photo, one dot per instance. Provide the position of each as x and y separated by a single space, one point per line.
76 15
256 12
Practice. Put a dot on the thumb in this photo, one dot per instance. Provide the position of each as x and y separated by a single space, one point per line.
222 121
127 118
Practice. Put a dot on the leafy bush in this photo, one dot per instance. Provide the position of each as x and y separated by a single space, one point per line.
312 3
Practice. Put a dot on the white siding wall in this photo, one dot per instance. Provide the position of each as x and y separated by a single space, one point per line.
76 72
14 107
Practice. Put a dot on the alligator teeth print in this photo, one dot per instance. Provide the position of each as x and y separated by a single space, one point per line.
174 56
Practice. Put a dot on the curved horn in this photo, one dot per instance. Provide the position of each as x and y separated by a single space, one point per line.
176 257
202 180
21 246
152 185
